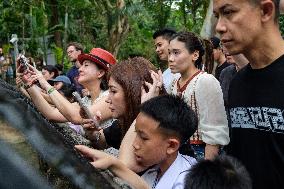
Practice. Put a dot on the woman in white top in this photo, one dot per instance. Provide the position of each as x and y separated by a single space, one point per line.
92 75
201 91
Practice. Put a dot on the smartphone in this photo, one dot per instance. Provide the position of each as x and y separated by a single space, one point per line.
85 108
23 62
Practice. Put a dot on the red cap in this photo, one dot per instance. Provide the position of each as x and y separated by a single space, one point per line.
98 56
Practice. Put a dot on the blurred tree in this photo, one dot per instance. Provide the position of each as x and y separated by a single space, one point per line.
124 27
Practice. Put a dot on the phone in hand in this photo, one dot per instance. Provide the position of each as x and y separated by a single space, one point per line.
23 63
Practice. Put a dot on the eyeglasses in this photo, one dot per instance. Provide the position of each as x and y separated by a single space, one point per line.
70 52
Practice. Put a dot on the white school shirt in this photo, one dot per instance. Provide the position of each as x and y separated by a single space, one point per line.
174 177
168 78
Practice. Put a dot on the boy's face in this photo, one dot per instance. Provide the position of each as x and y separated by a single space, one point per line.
150 145
239 24
161 45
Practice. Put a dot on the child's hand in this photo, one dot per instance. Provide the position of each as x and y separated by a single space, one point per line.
99 159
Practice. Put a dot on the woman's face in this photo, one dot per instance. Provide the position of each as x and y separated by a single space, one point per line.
89 72
116 99
47 75
58 85
180 60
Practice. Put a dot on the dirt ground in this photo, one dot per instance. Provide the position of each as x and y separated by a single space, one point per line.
17 141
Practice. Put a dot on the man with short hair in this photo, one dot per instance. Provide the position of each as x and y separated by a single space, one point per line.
164 124
238 62
256 93
162 40
219 57
74 49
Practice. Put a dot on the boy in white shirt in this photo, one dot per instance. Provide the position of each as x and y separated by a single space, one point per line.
163 125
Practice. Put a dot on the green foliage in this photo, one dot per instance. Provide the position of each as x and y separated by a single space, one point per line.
90 22
58 52
281 24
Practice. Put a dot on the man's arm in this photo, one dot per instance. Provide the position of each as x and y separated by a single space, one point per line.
102 160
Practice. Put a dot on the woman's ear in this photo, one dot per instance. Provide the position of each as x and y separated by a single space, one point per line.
101 73
195 55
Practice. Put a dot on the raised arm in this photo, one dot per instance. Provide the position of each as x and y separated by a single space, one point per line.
50 112
70 111
101 160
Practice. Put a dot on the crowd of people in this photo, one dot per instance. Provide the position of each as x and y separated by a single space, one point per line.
183 127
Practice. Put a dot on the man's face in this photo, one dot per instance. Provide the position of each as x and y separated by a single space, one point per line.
150 145
238 24
216 54
161 45
72 53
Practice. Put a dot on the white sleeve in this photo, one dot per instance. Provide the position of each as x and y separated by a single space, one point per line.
213 121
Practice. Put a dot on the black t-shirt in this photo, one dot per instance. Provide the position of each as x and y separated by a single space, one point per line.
256 103
113 135
220 68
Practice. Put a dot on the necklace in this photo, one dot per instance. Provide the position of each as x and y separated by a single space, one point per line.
181 89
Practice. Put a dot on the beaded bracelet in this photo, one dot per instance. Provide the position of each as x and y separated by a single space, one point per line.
50 90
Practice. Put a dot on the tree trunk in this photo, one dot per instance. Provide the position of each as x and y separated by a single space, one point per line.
117 29
209 24
55 21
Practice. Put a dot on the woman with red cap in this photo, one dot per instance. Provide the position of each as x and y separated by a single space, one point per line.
92 75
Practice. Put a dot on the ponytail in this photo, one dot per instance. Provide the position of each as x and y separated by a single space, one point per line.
209 58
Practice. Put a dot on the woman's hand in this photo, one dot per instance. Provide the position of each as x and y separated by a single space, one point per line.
36 75
92 126
154 88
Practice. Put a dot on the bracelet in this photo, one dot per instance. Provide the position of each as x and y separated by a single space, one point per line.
98 137
50 90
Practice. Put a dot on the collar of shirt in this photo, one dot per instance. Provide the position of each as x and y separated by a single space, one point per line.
174 176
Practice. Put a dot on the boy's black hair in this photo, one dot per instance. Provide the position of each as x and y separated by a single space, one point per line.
224 172
174 116
166 33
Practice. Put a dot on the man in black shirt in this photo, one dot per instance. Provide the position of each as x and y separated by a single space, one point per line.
256 94
219 57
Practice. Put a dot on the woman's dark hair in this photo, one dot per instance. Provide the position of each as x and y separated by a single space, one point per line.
192 43
51 69
67 90
104 80
131 75
209 57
